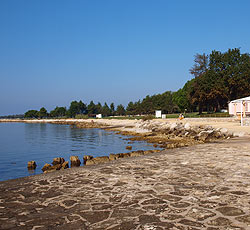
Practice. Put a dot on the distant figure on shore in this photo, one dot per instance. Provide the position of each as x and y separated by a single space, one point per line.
181 116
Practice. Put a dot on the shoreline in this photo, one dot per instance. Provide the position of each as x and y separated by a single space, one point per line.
163 134
199 187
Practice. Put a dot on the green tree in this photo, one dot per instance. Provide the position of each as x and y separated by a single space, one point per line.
120 110
76 108
131 108
43 113
112 108
73 109
31 114
58 112
98 108
200 66
106 111
82 107
91 108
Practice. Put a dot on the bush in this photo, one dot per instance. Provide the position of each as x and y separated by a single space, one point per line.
148 117
81 116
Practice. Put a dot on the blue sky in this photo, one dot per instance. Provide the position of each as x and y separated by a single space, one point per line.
56 51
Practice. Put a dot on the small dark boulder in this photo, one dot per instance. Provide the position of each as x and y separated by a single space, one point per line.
86 158
58 160
65 165
75 162
31 165
129 147
46 167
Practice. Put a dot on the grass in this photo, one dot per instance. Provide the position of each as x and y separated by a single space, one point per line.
197 115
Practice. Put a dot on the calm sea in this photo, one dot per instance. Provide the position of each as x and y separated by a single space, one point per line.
22 142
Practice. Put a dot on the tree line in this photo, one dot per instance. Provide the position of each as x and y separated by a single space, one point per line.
218 78
78 108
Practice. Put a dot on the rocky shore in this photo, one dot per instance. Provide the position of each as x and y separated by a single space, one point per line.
187 186
196 187
165 135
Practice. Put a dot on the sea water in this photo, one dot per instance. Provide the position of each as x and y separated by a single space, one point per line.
41 142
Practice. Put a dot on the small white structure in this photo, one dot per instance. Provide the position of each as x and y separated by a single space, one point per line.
163 116
98 115
240 108
158 113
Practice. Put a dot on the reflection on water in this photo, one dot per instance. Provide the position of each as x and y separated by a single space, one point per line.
22 142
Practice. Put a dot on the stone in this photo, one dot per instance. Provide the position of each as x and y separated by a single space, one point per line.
187 126
86 158
113 157
65 165
58 160
46 167
137 154
123 155
173 126
148 151
49 168
90 162
75 162
101 159
31 165
129 147
97 160
223 131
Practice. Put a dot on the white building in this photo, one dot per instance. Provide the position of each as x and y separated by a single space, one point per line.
98 115
240 107
158 113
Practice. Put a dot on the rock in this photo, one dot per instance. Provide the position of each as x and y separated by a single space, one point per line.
65 165
123 155
223 131
97 160
58 160
101 159
46 167
173 126
187 126
113 157
56 167
129 147
204 135
53 168
75 162
90 162
86 158
148 152
31 165
137 154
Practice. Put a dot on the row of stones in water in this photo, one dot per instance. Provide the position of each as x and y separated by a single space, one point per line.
59 163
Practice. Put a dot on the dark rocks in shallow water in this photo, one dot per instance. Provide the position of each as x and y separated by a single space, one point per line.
129 147
97 160
86 158
65 165
113 156
75 162
58 160
51 168
46 167
31 165
137 153
123 155
101 159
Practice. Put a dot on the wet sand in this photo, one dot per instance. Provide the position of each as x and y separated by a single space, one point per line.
203 186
